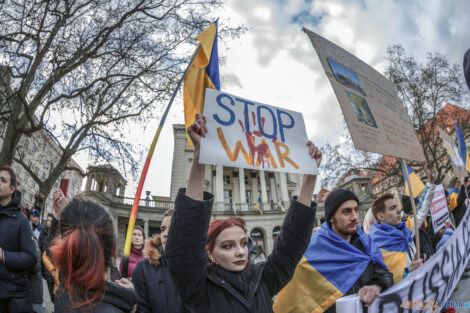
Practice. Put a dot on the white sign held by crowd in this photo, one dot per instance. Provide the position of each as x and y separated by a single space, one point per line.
439 210
248 134
375 115
434 282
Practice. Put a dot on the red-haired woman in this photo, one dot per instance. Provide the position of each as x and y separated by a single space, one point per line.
210 265
83 255
137 250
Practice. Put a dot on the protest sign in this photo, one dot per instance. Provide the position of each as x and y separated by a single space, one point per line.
424 289
376 117
247 134
439 210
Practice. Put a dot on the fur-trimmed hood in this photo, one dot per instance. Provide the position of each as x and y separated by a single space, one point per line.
151 249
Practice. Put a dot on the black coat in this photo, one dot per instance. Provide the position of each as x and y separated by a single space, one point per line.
117 299
461 208
208 290
154 288
16 241
374 274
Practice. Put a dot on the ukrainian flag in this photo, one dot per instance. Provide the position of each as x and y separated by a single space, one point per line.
394 242
416 183
203 73
326 272
259 207
453 195
462 148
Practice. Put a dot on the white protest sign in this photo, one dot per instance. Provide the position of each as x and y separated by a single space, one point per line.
375 115
439 210
247 134
424 289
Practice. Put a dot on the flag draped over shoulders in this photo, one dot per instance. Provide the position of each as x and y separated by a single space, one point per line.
394 242
453 195
203 73
326 272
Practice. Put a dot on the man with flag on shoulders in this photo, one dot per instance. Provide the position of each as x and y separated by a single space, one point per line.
394 237
340 260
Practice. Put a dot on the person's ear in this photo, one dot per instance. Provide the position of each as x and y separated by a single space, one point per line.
380 217
332 220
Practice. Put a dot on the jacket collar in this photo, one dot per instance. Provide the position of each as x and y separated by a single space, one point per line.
153 250
12 208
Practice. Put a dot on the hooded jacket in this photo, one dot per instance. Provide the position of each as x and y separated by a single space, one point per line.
152 281
18 247
117 299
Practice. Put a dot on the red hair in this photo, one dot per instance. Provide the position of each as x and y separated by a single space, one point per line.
80 259
217 226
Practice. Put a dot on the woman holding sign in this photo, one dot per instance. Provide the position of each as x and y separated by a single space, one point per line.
209 262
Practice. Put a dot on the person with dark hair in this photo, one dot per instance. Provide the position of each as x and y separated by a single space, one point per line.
394 236
340 260
36 225
462 202
210 265
46 274
454 188
83 255
137 248
152 281
17 249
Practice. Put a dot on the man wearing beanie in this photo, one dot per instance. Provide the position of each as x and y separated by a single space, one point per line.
394 237
340 260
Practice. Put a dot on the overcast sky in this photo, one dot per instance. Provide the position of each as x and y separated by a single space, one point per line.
275 63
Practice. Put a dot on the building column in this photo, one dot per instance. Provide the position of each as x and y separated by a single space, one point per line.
254 188
272 186
283 183
241 175
236 190
146 227
219 186
264 194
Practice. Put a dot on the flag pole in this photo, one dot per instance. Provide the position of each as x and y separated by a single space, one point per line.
143 175
413 207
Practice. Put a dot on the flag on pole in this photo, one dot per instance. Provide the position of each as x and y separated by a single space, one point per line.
416 183
279 202
259 207
203 73
234 208
463 151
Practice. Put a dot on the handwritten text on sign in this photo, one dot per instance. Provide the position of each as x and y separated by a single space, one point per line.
439 210
244 133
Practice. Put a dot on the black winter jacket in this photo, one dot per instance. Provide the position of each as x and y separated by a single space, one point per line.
208 290
374 274
16 241
152 281
117 299
461 208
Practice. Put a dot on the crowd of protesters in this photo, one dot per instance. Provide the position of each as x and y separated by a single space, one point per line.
198 265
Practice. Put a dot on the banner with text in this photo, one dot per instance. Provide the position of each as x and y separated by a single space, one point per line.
247 134
376 117
439 210
425 288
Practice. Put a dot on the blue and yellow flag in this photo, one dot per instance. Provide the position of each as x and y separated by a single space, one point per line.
203 73
463 151
453 195
394 242
326 272
416 183
259 207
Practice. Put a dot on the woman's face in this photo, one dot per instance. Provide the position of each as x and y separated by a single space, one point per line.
231 249
137 238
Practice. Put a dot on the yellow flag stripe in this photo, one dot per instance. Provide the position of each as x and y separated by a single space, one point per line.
395 262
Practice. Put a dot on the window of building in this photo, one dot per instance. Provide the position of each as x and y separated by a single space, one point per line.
43 177
228 196
248 196
226 179
289 194
246 180
364 189
36 170
26 143
33 152
276 232
31 197
39 157
259 196
30 163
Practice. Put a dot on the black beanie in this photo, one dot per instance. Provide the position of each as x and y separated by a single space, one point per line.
406 204
335 199
466 67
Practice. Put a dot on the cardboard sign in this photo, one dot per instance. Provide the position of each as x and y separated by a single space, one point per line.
375 115
424 289
247 134
439 210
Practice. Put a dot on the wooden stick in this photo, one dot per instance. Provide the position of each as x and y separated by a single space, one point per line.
413 207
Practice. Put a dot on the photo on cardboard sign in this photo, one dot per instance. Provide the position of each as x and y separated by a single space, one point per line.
346 77
361 108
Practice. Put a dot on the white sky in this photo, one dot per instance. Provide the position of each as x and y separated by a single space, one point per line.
275 63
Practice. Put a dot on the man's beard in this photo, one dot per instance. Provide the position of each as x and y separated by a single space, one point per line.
346 232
